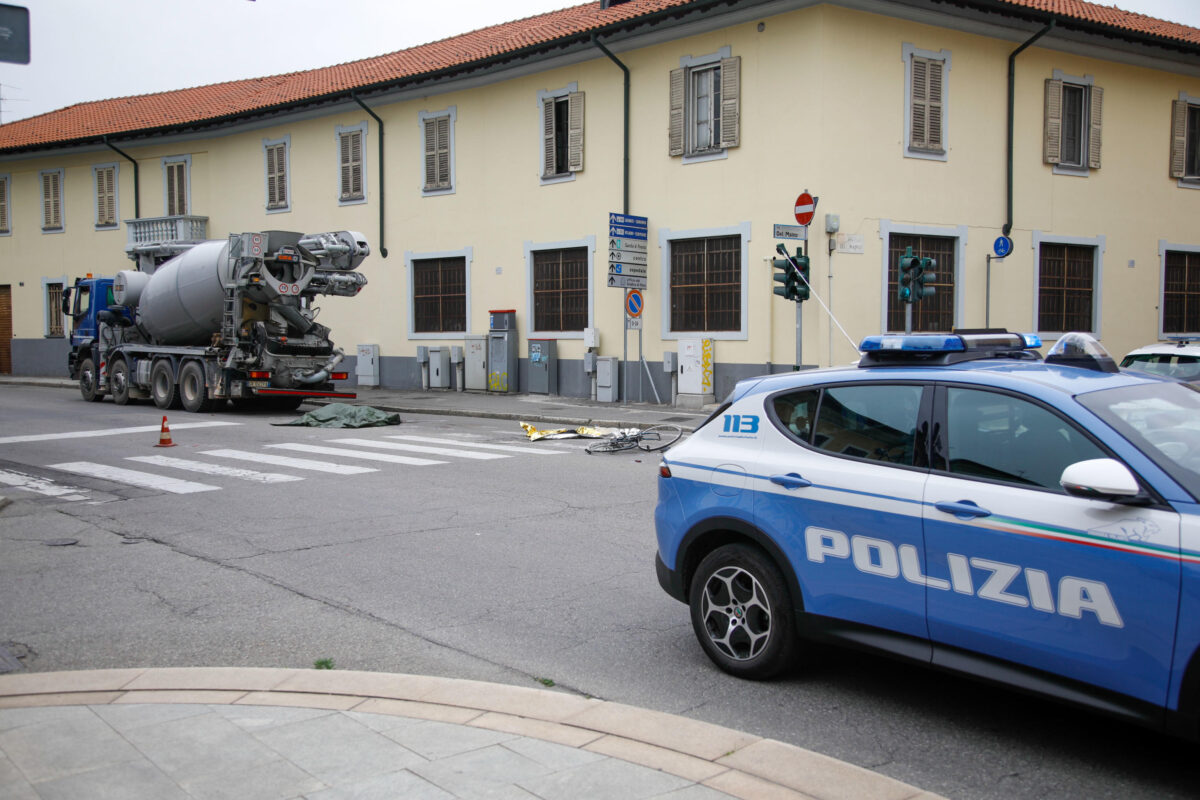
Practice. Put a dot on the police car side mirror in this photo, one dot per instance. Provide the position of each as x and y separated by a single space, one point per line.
1101 479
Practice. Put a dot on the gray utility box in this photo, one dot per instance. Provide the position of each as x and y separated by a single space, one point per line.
366 369
543 366
502 351
475 362
439 368
608 388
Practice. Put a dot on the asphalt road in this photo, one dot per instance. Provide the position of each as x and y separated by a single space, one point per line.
535 567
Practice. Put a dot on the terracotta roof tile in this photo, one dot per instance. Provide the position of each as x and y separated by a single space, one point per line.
213 102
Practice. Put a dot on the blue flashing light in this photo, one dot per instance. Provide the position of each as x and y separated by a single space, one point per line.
1032 341
914 343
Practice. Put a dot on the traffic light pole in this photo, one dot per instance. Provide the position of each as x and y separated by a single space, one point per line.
800 327
908 317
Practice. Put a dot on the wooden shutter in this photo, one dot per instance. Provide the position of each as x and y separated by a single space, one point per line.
277 176
675 116
731 101
3 205
51 200
106 211
346 167
547 137
1096 114
575 131
177 189
1052 143
443 152
925 99
1179 112
356 175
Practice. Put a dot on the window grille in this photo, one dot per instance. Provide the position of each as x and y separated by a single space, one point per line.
934 313
1065 277
706 284
439 295
560 289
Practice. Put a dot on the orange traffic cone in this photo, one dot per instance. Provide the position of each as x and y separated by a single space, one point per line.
164 437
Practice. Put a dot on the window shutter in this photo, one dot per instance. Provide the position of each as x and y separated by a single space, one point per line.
430 154
1052 145
4 205
548 137
731 101
675 117
356 183
176 189
170 190
933 137
105 197
443 152
575 132
281 195
51 201
1179 110
344 158
272 177
1096 107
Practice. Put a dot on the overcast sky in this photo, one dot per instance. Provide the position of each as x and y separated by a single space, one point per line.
85 50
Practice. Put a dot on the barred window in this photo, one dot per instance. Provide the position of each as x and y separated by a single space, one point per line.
560 289
54 316
1181 292
706 284
934 313
440 295
1066 274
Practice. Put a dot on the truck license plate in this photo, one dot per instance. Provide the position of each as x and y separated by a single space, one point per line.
258 384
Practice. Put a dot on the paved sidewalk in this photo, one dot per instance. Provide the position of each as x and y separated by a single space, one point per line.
156 734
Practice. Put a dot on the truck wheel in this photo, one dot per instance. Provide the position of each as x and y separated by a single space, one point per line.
118 381
162 385
192 390
741 612
89 381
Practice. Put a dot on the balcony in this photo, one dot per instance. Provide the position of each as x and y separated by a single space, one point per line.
152 240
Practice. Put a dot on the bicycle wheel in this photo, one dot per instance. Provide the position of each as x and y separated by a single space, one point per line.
614 445
659 437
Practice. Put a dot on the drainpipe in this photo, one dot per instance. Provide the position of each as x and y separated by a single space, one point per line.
137 190
624 69
1012 71
379 122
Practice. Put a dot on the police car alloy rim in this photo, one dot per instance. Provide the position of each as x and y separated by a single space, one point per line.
736 613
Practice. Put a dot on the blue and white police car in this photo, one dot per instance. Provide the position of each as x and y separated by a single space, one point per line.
958 501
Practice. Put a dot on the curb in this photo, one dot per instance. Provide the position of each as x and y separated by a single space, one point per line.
739 764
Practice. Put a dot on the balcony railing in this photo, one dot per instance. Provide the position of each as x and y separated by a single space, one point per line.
160 230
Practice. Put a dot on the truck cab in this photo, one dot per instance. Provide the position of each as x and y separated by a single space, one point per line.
83 302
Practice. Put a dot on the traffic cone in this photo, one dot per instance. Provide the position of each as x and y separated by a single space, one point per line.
164 437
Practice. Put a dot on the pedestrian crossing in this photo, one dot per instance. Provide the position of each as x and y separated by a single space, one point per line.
281 462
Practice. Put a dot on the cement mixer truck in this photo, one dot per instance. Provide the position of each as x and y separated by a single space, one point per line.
199 324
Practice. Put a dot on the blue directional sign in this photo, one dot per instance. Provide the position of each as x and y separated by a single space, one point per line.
627 237
627 226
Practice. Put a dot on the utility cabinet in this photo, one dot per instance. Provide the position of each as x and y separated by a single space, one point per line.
608 388
696 365
475 362
502 351
543 366
366 369
439 368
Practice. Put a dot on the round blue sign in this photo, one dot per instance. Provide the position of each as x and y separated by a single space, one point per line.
1002 246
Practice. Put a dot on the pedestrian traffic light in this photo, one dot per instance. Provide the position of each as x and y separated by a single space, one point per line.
925 276
910 269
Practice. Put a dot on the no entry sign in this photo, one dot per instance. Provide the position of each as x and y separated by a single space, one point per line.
806 207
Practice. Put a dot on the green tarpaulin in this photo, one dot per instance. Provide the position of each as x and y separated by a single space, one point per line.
343 415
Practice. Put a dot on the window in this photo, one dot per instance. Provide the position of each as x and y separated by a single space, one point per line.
705 105
560 289
925 102
437 143
105 177
1066 278
175 186
275 155
795 413
934 313
1004 438
562 133
1074 109
1185 138
1181 292
5 216
52 210
876 422
706 284
439 295
351 168
54 315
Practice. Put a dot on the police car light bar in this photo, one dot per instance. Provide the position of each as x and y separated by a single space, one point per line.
947 347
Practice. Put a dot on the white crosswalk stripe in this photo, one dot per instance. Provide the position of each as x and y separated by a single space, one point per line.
285 461
30 483
215 469
147 480
156 428
529 449
341 451
416 448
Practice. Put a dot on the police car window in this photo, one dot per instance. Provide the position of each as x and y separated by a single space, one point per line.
796 411
876 422
1004 438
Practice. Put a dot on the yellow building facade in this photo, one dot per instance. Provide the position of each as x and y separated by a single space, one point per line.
498 184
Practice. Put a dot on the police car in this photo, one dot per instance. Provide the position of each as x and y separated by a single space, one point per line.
953 500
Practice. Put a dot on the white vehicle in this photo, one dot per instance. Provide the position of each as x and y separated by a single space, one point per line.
1178 358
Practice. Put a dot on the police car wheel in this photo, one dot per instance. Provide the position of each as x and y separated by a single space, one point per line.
742 614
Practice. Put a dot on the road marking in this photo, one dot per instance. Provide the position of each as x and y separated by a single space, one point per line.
146 480
512 448
157 428
216 469
340 451
284 461
416 448
19 480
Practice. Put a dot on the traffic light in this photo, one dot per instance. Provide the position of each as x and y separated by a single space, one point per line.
910 270
787 278
793 288
802 286
925 276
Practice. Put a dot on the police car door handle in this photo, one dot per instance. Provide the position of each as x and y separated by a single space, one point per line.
963 509
790 481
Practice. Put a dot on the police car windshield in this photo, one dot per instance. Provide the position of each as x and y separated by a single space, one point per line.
1160 419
